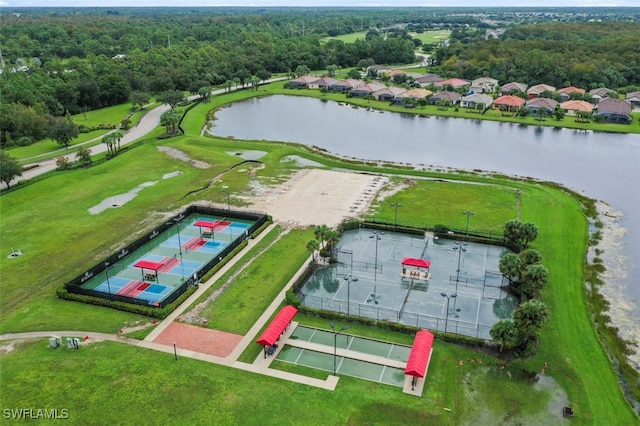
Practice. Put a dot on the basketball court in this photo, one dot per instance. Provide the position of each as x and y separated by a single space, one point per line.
460 292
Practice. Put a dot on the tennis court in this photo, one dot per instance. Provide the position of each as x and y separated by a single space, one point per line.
369 281
155 270
369 359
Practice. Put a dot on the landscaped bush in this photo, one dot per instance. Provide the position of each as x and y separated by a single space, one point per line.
149 311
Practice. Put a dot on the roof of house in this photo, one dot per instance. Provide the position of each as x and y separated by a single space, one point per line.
414 75
601 91
453 82
371 87
306 79
429 78
542 103
395 72
509 100
415 93
483 80
571 89
478 98
326 81
576 105
451 96
349 82
513 86
378 67
391 90
615 106
633 95
539 88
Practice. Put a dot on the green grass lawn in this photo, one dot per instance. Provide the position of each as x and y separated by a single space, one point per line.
347 38
50 216
429 37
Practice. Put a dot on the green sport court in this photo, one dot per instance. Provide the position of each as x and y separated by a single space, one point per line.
367 281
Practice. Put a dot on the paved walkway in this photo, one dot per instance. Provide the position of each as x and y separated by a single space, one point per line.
260 364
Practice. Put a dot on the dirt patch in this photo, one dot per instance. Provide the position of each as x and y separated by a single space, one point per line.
5 349
179 155
317 197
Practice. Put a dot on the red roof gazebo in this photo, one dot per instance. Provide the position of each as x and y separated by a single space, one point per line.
277 327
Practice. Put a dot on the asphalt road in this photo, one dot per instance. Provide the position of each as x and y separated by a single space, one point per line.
147 123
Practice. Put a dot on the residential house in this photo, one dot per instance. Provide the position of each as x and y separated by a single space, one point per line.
388 93
414 75
452 97
301 82
601 93
570 92
534 105
427 79
575 106
539 89
476 101
413 94
322 83
634 98
615 110
455 83
366 90
346 85
508 103
377 70
511 88
484 85
395 72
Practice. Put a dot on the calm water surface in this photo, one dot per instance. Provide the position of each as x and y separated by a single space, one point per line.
601 165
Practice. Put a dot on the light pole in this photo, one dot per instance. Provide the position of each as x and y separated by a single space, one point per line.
460 247
446 318
469 214
377 236
395 220
106 271
177 221
349 279
335 342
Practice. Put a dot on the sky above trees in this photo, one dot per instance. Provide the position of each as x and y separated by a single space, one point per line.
312 3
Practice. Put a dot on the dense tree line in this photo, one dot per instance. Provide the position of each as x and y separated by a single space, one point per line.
585 54
73 63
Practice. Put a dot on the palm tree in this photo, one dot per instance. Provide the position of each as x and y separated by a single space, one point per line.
254 81
529 232
530 317
505 332
117 135
530 257
313 246
108 140
534 279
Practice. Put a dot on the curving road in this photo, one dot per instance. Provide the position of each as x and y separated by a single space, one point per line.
147 123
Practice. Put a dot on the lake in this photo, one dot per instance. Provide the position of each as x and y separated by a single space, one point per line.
603 166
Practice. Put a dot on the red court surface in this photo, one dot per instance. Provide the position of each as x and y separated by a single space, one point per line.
199 339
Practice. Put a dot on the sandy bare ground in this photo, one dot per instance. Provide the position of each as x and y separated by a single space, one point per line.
318 197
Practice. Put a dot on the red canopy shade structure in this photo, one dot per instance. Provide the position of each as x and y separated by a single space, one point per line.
206 224
277 326
420 263
420 355
148 264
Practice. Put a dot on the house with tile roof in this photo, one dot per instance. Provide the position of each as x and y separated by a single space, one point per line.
484 85
346 85
322 83
539 89
388 93
366 90
570 92
455 83
508 103
452 97
576 107
615 110
301 82
511 88
634 98
427 79
601 93
476 101
536 104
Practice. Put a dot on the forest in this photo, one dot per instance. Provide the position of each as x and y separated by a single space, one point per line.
56 62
